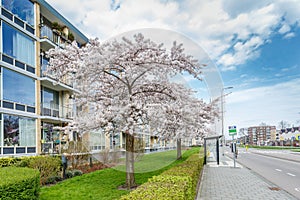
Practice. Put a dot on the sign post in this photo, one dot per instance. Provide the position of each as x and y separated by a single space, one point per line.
232 132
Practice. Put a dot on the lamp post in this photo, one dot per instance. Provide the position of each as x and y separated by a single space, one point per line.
222 110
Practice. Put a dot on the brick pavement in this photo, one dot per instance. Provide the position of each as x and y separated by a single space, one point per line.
226 182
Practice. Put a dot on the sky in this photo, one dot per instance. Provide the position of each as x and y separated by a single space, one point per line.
254 44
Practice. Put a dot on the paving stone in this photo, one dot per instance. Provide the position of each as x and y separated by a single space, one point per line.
225 182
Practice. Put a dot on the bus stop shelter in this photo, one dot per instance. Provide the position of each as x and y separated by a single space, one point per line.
212 139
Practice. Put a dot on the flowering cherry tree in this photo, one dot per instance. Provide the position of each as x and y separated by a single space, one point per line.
118 81
184 117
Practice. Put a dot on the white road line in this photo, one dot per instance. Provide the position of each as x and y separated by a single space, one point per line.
290 174
297 189
278 170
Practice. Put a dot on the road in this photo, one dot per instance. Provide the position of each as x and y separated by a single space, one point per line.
283 173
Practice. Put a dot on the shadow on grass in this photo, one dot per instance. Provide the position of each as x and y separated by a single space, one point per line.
103 184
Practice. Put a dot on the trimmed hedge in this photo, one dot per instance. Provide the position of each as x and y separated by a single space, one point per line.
19 183
7 162
162 188
48 166
177 183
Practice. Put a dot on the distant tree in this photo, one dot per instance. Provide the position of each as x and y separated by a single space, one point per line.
263 124
283 124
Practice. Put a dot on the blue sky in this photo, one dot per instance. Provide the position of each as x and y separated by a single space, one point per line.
254 44
279 61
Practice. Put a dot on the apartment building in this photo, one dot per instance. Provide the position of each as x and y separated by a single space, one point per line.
31 104
260 135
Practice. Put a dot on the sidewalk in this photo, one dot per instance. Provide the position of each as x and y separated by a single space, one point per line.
226 182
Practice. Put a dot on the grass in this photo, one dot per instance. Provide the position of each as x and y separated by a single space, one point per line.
103 184
153 161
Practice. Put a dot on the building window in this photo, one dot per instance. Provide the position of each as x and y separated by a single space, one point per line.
44 64
50 138
50 102
114 140
97 140
18 88
24 9
19 131
18 45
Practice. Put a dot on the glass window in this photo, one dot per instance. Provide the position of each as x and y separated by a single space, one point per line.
50 98
18 45
44 63
24 9
114 140
97 140
18 88
19 131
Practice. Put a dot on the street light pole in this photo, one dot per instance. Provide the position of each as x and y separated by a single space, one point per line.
222 110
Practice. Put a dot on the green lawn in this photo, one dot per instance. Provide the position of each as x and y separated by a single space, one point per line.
153 161
103 184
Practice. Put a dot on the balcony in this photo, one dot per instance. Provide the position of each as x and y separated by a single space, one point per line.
56 112
50 38
49 80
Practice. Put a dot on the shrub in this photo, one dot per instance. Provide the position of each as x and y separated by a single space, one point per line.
87 168
179 182
69 174
19 183
50 180
170 188
77 172
47 165
53 179
6 162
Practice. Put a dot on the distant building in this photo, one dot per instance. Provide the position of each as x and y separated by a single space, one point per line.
289 136
261 135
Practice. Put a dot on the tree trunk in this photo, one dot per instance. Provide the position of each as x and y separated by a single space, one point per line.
130 179
179 156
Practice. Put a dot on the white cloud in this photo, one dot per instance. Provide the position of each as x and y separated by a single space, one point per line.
284 29
289 35
230 31
218 26
264 104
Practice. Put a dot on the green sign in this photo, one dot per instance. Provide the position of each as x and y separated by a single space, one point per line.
232 130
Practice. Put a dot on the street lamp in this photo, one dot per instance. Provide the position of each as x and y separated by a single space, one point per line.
222 110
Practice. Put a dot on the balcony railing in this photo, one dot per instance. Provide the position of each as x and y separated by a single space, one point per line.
53 36
67 80
57 111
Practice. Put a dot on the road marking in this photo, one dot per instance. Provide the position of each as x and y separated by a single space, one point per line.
278 170
297 189
290 174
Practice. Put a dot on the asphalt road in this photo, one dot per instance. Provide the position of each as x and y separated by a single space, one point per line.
283 173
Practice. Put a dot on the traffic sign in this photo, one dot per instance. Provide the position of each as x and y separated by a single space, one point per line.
232 130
